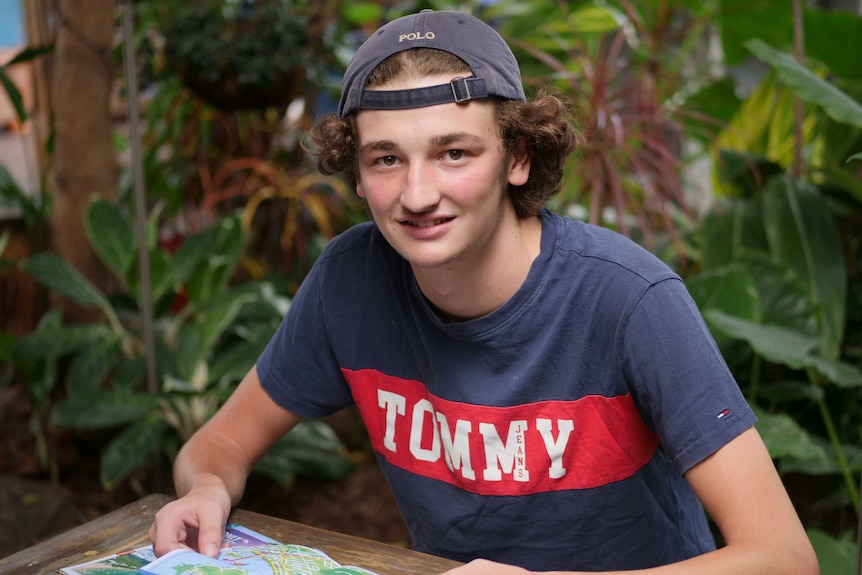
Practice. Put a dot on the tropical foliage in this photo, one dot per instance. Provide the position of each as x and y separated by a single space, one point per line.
708 138
207 335
774 261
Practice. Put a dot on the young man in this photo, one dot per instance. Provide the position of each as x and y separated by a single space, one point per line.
541 394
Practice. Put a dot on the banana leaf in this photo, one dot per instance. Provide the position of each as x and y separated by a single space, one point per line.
808 86
803 234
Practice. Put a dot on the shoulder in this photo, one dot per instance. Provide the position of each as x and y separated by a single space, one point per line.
355 248
607 252
357 261
358 237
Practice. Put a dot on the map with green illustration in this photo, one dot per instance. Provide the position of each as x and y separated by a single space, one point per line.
247 553
273 559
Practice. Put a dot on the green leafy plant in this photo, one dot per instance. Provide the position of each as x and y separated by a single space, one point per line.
25 55
240 55
208 333
779 257
40 375
623 65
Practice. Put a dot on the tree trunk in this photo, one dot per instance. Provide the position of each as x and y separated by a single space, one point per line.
85 164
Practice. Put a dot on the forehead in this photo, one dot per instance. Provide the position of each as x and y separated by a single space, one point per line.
475 121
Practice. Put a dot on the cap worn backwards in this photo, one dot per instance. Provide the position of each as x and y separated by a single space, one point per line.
495 69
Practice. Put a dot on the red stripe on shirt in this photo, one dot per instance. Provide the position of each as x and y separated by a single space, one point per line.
518 450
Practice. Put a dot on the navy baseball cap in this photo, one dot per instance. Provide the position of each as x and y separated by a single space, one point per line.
495 69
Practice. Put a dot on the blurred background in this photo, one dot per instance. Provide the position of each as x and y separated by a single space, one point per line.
158 212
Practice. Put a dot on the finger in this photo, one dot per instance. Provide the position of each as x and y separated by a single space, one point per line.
210 534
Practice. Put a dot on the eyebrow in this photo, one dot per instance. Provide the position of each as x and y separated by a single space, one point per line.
447 139
377 146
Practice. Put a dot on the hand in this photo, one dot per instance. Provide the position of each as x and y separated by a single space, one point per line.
485 567
195 521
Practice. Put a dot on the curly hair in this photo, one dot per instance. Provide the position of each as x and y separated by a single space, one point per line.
541 128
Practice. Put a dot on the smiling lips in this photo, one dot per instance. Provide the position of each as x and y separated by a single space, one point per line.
426 223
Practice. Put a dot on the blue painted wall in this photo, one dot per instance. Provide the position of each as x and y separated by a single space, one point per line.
11 24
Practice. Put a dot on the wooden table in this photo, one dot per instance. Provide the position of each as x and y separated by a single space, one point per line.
126 528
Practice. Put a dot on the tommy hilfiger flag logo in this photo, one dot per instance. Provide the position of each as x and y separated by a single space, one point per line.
723 414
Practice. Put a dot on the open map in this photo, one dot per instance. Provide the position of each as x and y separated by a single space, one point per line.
250 553
272 559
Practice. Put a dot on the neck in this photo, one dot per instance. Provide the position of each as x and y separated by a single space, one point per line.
469 289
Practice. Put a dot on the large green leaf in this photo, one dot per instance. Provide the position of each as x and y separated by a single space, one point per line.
833 37
99 409
310 448
226 252
207 260
713 104
784 391
111 236
130 374
730 289
191 349
782 295
233 362
742 20
732 227
765 126
808 86
835 556
773 343
89 368
55 273
827 464
218 319
786 438
58 341
838 372
745 171
130 450
190 254
803 234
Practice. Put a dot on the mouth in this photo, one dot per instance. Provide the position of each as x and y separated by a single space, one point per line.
426 223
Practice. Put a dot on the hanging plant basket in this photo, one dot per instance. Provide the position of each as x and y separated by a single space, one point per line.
250 57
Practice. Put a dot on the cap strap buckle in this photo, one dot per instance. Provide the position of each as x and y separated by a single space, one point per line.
460 90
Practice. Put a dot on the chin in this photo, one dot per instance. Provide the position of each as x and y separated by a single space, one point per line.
428 261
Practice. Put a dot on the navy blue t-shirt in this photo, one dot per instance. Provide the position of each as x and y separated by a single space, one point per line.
552 433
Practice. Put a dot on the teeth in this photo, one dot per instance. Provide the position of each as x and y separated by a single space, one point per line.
427 223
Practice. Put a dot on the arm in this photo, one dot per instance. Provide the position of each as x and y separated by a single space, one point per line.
741 490
211 468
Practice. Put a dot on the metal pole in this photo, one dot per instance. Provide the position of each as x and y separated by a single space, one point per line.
139 193
140 208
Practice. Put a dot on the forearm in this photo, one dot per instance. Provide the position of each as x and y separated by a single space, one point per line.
206 461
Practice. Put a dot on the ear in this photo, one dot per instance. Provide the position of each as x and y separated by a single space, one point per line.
359 190
519 168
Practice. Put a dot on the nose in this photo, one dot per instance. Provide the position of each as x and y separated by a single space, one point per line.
419 193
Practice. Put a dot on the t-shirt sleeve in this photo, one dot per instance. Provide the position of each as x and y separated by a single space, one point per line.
298 368
682 385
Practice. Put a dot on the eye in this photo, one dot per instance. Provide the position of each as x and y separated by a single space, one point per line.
455 154
387 160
